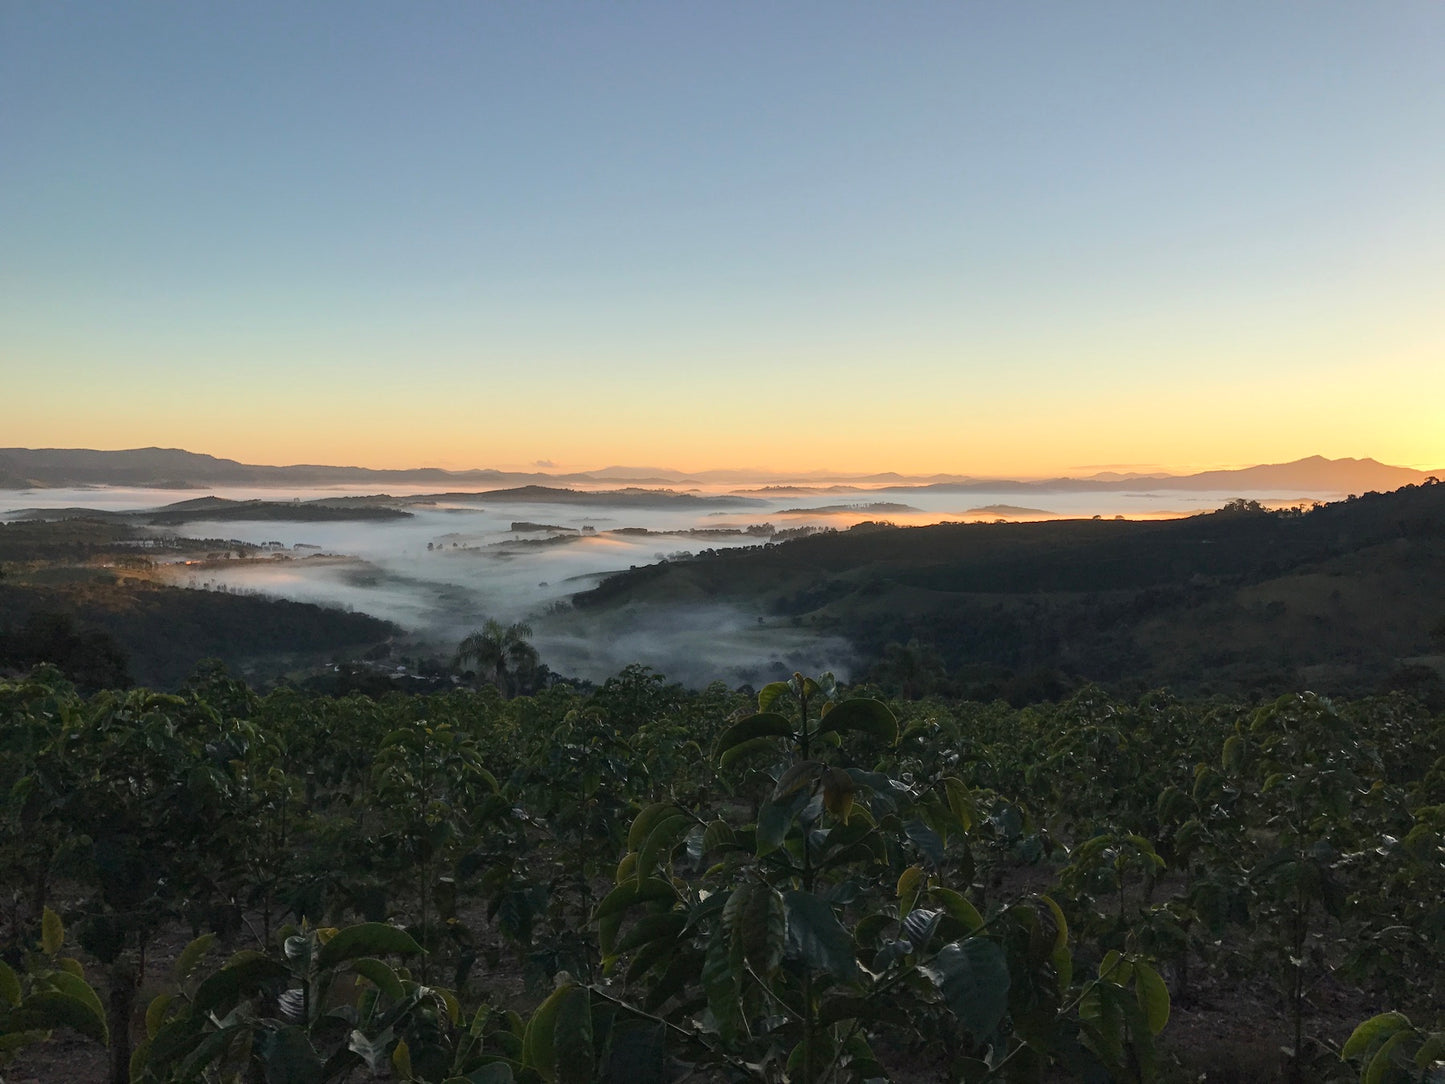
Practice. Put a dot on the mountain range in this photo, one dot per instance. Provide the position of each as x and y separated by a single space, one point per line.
35 468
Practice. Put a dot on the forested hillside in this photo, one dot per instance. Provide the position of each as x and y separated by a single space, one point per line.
1336 599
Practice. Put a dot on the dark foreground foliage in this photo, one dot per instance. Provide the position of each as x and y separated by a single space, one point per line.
646 883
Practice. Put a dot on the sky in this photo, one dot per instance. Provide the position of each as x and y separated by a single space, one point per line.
993 238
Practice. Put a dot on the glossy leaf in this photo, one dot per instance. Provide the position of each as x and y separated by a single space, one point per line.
632 893
156 1013
763 927
52 1008
870 717
817 938
958 907
909 883
668 833
768 695
221 989
573 1055
1378 1070
801 774
380 975
366 939
973 977
653 928
1373 1031
191 955
765 724
838 793
722 971
537 1050
1153 996
928 842
646 821
749 748
774 820
79 989
920 926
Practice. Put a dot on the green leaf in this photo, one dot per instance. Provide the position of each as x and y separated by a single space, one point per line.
817 937
909 882
973 977
765 724
653 928
1153 996
957 906
52 932
1378 1071
960 802
722 972
631 893
537 1051
191 955
245 971
1373 1031
763 927
650 955
838 790
747 749
380 975
863 716
79 989
366 939
768 695
919 926
54 1008
1431 1050
719 834
646 821
213 1045
156 1013
799 775
774 820
928 842
1061 924
573 1053
15 1040
663 838
9 984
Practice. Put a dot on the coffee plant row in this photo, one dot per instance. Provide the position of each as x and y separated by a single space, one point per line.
646 884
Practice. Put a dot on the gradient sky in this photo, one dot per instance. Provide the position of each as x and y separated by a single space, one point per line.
1010 238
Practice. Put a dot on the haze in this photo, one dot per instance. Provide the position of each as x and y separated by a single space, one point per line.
1003 239
457 561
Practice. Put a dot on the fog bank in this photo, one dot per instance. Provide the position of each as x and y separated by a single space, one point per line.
453 563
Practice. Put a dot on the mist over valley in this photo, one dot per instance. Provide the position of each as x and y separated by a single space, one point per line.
437 564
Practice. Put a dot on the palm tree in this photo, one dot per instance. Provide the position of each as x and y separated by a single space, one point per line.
500 654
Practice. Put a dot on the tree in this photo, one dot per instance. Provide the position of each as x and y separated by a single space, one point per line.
501 655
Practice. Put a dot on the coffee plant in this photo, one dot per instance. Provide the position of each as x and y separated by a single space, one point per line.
806 883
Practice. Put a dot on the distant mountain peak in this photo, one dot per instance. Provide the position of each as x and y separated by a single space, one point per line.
22 468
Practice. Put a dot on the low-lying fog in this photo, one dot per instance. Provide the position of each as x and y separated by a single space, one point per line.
454 563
